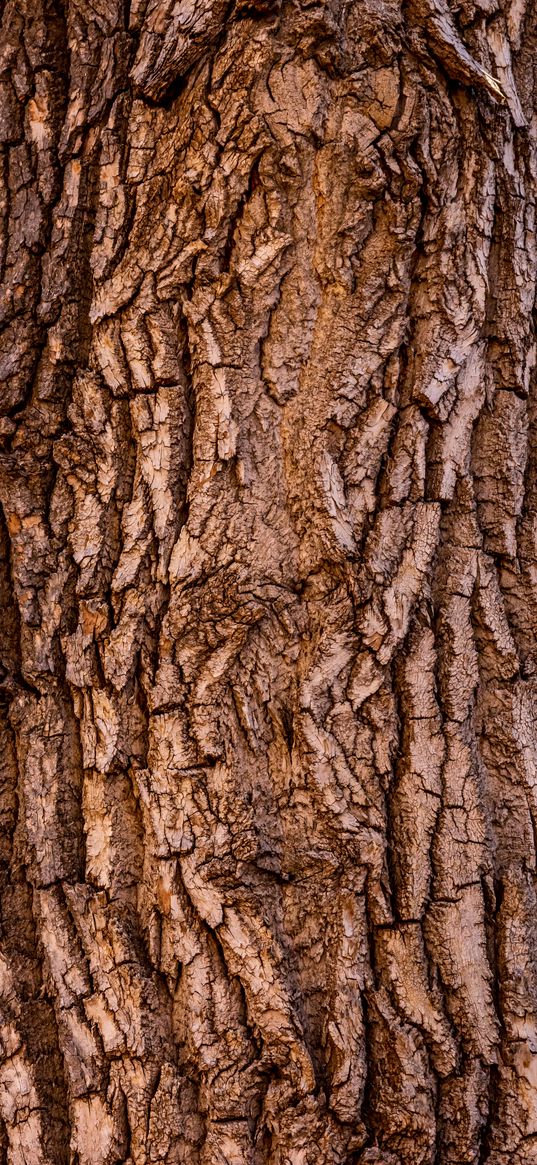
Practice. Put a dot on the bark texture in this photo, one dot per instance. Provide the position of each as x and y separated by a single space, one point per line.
268 784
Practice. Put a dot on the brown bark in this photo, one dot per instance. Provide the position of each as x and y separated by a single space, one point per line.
268 480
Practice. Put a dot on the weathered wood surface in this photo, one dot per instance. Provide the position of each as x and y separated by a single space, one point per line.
269 580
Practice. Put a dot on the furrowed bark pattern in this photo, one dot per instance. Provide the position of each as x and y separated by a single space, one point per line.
269 506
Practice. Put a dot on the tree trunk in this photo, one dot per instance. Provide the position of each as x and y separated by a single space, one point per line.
269 580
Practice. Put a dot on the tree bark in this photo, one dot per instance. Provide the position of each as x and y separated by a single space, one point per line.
268 480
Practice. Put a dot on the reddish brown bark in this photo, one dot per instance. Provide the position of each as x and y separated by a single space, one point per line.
268 488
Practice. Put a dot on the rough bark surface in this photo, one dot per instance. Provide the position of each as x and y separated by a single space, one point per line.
268 784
